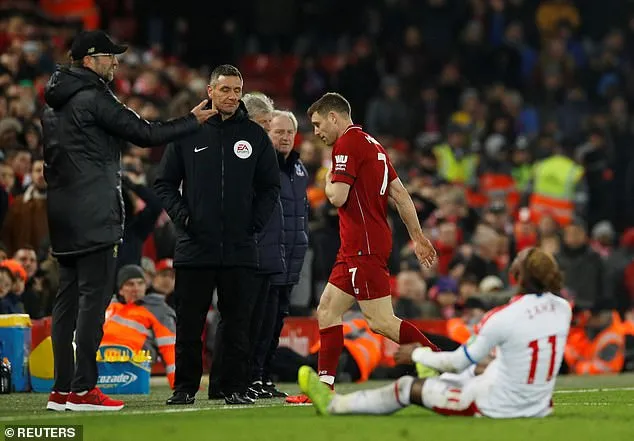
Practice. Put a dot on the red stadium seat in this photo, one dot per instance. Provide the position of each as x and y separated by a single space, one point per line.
281 83
332 63
289 64
258 65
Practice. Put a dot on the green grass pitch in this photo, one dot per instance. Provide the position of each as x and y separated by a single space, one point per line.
586 408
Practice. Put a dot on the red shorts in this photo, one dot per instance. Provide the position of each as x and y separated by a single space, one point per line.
363 277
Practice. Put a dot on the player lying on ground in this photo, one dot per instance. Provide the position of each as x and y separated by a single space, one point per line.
529 335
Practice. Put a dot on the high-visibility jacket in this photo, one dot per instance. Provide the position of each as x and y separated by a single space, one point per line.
585 356
522 175
554 184
86 10
497 186
148 324
458 330
363 345
456 171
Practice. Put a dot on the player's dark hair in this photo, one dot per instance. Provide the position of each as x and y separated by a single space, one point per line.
540 273
330 102
226 70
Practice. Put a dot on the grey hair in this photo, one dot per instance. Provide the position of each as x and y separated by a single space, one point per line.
287 114
257 103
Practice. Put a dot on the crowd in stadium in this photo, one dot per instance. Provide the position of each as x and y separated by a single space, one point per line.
509 121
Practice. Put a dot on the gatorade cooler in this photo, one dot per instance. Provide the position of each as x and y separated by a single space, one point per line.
121 371
15 344
41 366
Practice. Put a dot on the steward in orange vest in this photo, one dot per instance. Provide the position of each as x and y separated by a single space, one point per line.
460 329
598 347
141 321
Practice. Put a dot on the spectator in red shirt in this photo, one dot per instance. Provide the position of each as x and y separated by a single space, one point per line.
446 245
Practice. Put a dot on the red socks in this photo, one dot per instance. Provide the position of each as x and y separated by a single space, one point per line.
329 353
410 334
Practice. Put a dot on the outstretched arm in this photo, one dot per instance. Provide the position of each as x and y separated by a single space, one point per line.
494 329
121 121
407 211
455 361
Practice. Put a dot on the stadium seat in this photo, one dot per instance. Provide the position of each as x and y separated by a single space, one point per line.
258 65
332 63
289 63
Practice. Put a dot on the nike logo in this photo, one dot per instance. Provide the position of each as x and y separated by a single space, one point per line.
200 149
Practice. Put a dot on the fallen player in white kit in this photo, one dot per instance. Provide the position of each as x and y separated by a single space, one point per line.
528 334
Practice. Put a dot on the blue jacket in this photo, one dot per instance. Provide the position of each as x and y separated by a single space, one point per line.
271 244
11 304
294 181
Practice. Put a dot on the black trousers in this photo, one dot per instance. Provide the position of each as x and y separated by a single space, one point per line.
194 290
260 290
277 307
86 285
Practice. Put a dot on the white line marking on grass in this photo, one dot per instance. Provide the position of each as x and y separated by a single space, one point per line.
60 415
593 404
605 389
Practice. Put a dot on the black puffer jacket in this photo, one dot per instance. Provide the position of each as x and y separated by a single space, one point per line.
230 185
85 127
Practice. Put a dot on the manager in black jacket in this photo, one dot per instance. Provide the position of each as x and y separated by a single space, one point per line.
85 127
230 183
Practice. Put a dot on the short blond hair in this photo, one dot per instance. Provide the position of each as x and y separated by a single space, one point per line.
288 115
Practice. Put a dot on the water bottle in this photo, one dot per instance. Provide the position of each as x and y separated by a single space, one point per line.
5 376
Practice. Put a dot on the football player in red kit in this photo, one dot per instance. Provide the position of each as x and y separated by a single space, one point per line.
359 184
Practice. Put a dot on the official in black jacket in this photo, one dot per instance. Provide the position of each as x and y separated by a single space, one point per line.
85 128
270 248
294 225
230 183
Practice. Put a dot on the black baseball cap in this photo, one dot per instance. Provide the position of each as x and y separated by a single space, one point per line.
94 43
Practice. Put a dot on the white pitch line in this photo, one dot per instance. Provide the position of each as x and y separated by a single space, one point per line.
61 415
593 404
604 389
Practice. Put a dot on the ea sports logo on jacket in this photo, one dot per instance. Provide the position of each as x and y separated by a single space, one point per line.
242 149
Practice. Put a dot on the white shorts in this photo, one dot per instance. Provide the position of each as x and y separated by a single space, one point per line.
454 395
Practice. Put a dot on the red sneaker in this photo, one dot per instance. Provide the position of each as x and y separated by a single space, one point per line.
298 399
93 400
57 401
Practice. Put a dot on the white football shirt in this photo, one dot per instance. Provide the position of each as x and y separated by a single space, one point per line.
529 336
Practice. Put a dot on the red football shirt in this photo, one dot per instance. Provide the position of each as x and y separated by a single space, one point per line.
360 161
